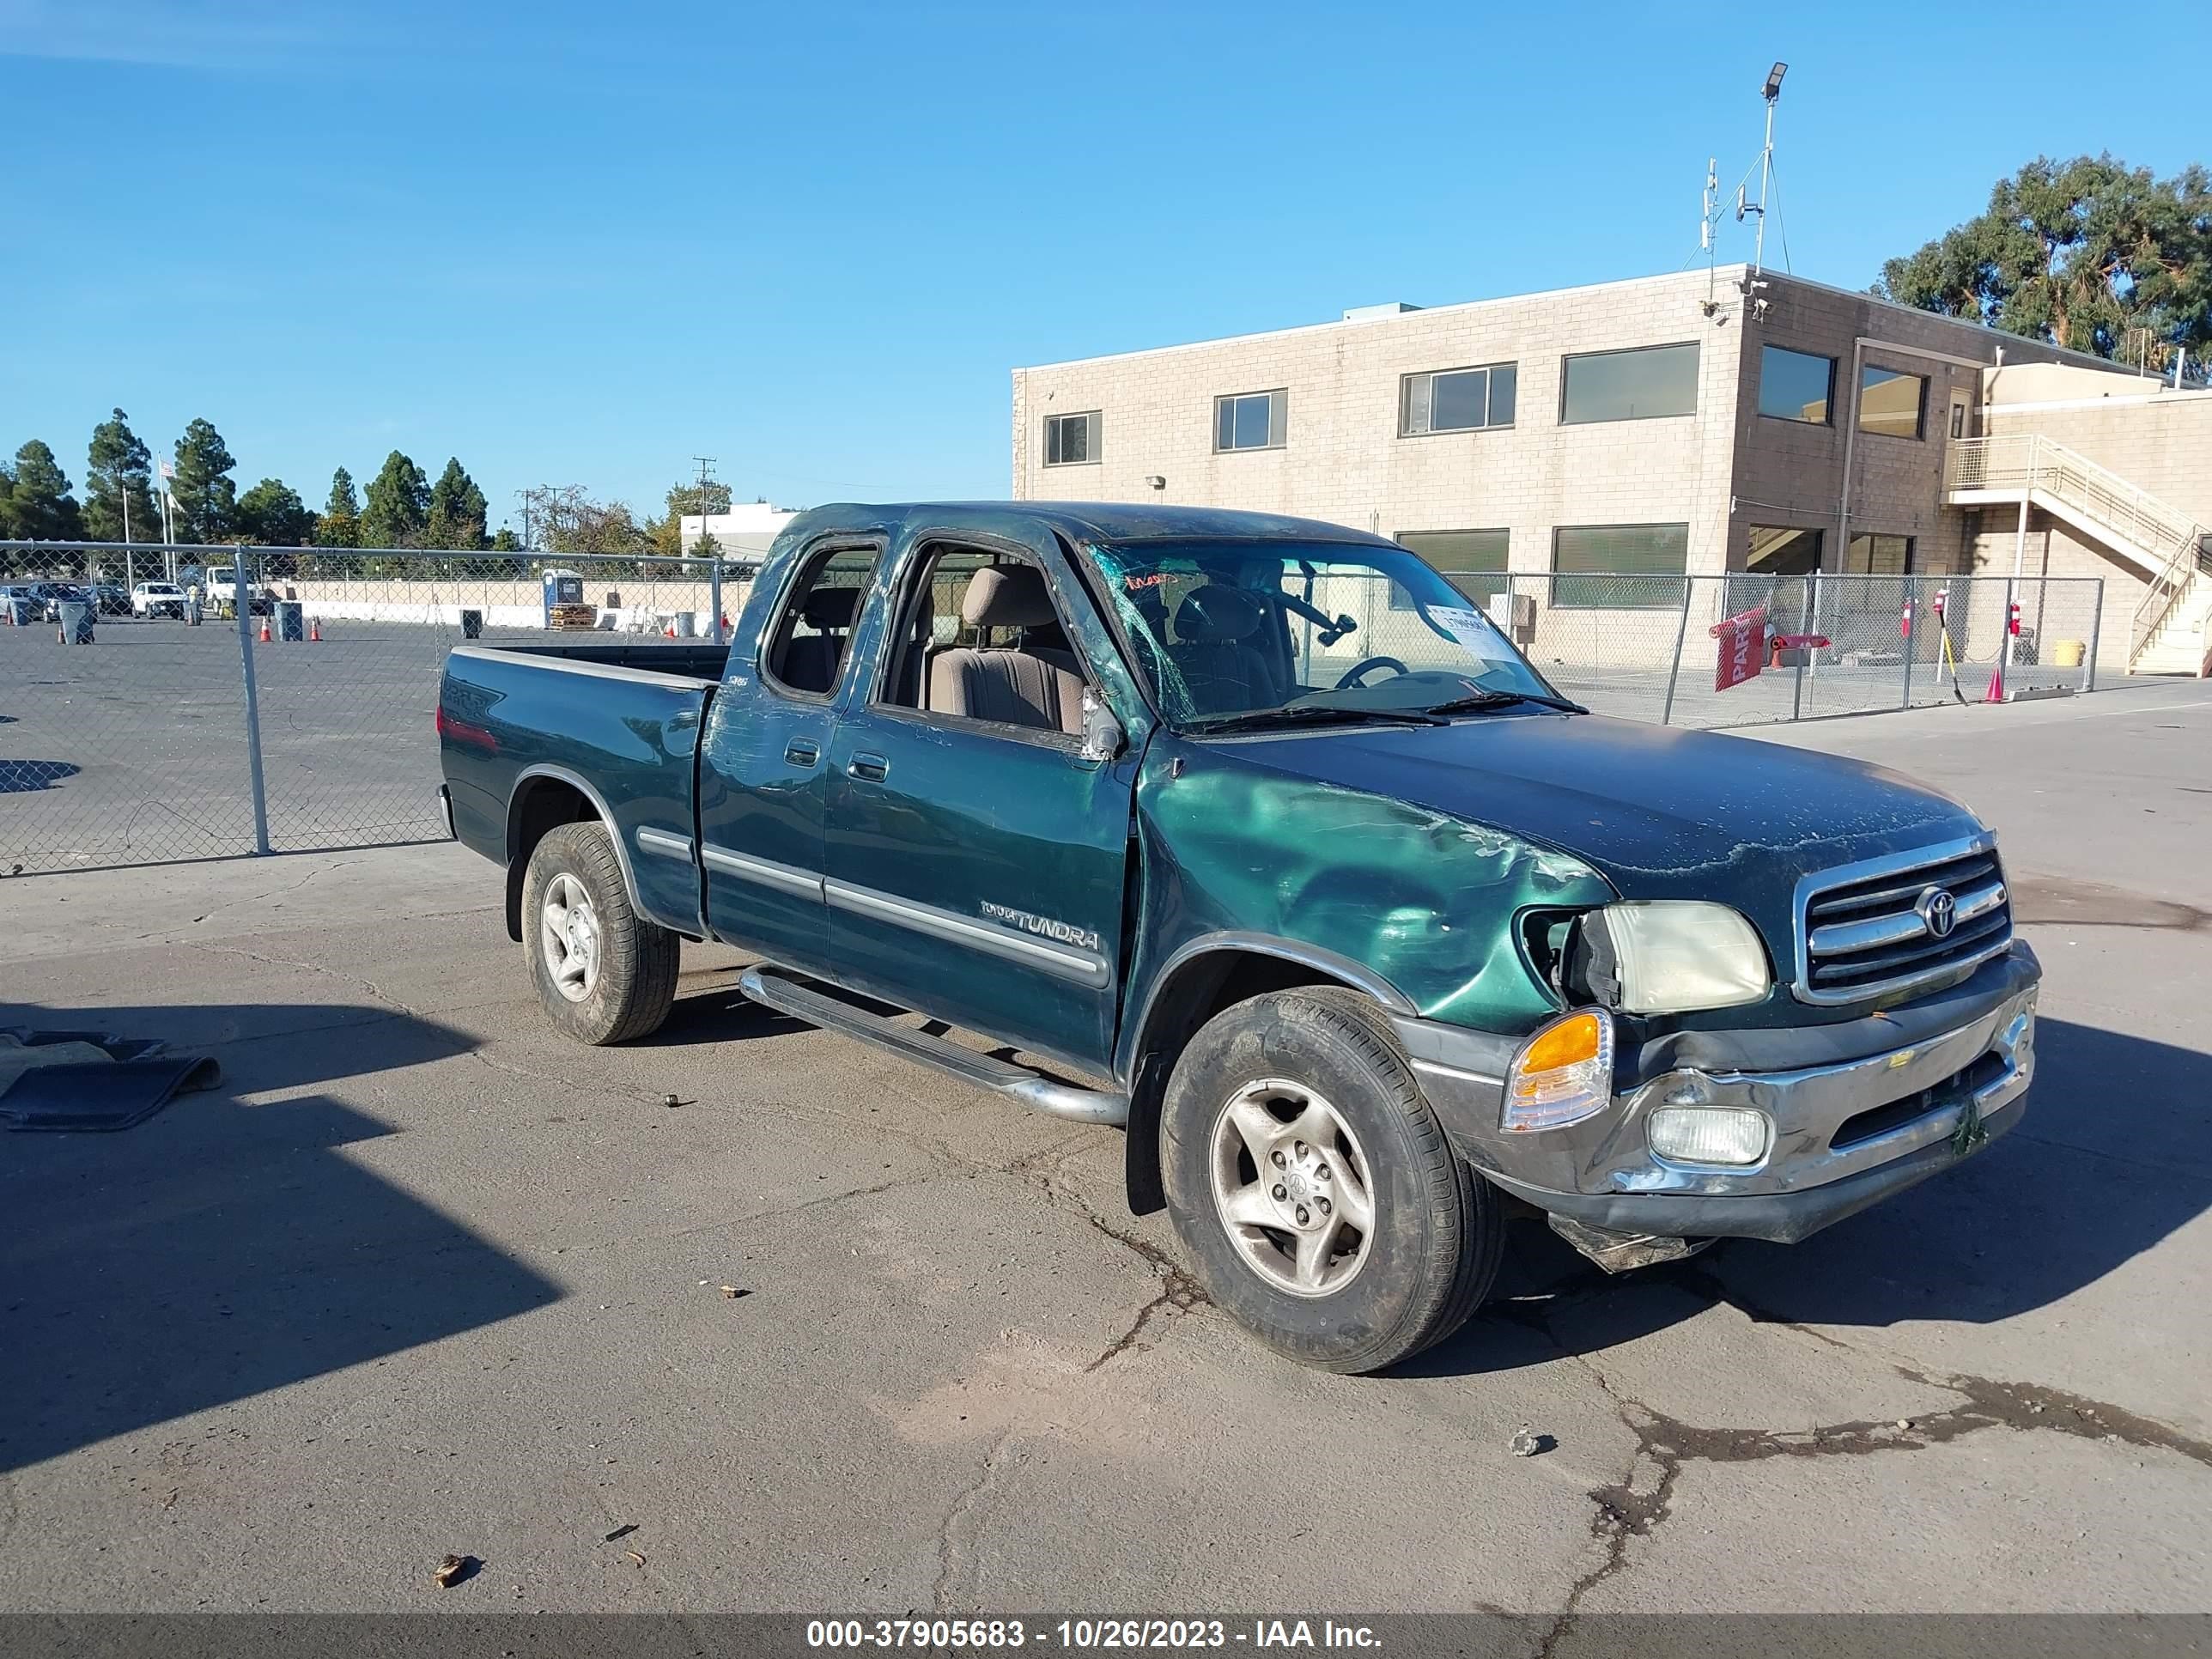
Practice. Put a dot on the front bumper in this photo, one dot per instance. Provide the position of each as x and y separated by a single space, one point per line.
1859 1111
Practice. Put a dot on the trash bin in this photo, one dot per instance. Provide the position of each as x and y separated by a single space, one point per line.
76 622
2067 654
471 625
291 622
687 624
22 610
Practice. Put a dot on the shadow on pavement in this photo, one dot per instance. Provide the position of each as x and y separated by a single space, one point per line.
219 1250
22 777
2114 1154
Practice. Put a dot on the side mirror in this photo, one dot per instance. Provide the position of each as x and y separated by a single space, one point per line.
1103 736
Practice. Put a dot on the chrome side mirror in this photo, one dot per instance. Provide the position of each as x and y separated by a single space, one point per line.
1103 737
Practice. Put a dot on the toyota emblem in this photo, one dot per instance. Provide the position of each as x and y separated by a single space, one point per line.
1938 911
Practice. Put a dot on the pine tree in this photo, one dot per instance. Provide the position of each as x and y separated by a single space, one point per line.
118 495
206 495
458 510
272 514
398 508
39 502
340 524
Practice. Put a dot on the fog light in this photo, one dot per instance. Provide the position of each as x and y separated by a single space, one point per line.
1707 1134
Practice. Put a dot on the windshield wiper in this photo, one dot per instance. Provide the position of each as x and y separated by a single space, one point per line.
1312 713
1482 700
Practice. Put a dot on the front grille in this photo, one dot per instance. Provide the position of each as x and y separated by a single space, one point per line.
1865 934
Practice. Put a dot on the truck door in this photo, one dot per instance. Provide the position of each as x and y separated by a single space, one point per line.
975 858
765 753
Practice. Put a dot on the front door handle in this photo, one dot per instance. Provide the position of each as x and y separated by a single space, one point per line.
873 768
802 752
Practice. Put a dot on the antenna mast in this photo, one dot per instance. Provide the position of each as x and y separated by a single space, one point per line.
1773 93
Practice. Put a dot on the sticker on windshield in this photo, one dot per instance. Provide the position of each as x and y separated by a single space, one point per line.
1477 635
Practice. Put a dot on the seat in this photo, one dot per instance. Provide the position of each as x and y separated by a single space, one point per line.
810 662
1035 686
1212 650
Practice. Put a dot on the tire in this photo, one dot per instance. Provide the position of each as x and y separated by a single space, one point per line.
614 979
1436 1230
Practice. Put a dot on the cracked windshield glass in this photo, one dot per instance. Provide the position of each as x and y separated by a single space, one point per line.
1315 633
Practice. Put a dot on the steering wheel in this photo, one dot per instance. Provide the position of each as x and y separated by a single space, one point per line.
1357 674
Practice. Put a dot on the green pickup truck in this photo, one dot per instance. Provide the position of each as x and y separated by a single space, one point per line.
1255 836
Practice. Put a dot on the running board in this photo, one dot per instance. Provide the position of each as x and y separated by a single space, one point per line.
772 989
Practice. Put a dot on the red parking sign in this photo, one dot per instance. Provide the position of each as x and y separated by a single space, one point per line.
1742 650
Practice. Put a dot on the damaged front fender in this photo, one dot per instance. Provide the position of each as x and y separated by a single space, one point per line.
1428 903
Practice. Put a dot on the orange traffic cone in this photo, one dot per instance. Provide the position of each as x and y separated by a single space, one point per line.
314 630
265 630
671 630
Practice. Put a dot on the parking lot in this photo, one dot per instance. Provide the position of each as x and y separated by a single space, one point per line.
834 1334
134 750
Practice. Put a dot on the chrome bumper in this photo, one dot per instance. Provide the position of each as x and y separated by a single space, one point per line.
1844 1133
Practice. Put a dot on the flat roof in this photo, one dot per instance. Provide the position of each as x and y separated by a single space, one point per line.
1733 273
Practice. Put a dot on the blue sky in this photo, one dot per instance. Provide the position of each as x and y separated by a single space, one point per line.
580 244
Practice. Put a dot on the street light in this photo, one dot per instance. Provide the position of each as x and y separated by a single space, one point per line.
1774 81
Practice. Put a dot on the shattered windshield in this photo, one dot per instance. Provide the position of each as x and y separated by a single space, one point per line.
1233 634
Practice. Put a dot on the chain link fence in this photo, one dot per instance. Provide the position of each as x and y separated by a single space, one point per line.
1652 648
229 700
222 700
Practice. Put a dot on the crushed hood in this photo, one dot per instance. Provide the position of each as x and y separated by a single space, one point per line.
1660 813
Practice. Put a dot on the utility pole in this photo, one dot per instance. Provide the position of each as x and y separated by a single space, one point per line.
706 472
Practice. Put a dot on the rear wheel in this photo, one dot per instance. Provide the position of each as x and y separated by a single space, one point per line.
1316 1190
604 973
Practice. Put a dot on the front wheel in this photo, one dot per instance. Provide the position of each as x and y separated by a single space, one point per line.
604 973
1307 1177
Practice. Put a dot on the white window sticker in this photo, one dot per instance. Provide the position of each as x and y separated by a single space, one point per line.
1477 635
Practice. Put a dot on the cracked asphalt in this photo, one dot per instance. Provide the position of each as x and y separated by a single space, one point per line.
420 1278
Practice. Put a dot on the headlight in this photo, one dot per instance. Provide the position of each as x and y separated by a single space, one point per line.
1672 956
1562 1075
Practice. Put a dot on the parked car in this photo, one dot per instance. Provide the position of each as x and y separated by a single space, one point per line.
113 599
154 599
1272 850
220 594
19 606
51 596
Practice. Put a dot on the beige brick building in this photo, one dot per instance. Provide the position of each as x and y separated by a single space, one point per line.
1697 424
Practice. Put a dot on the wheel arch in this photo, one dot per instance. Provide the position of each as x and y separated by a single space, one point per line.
544 798
1198 980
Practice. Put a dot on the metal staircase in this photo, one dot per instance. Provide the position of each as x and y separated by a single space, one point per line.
2166 635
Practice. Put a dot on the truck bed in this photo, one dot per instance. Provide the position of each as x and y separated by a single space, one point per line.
537 728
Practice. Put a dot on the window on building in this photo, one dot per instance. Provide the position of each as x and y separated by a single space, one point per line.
1251 420
1878 555
1892 402
1456 400
1630 386
1783 551
1619 567
1796 385
1473 560
1071 439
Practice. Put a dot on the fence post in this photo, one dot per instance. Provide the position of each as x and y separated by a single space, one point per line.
1797 672
2096 628
1911 607
244 606
715 591
1682 633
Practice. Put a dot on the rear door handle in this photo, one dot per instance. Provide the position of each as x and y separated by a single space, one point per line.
873 768
802 752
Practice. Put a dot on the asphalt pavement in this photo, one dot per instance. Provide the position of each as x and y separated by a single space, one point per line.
834 1334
